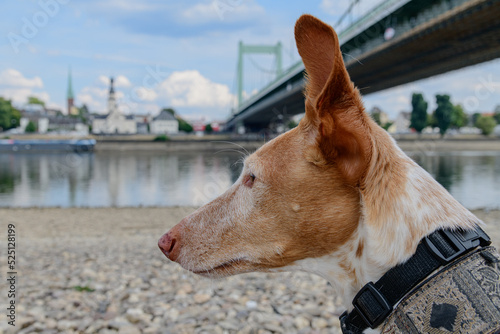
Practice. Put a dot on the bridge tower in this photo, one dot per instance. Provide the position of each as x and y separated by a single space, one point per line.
246 49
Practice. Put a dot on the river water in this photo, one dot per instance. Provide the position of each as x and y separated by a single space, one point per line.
169 179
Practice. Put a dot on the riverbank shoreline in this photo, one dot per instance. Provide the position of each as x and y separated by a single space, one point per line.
214 142
427 145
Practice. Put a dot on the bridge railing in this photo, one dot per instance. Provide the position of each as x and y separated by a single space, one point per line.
425 16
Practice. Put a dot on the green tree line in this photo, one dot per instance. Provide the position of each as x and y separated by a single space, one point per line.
447 115
9 116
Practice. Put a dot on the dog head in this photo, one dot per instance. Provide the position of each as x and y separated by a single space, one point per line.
297 196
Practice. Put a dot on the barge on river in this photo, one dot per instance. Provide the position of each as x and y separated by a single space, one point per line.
42 145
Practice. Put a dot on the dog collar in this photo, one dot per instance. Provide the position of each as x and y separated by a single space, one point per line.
375 301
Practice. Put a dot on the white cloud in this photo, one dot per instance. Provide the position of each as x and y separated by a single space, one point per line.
94 98
16 87
131 100
103 80
144 94
13 78
20 95
191 89
122 81
200 13
126 5
218 10
119 81
186 90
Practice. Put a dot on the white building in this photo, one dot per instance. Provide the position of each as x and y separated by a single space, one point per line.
402 123
114 122
164 123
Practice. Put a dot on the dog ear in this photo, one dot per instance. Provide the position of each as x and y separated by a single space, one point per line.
333 105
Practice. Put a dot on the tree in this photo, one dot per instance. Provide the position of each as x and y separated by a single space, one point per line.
443 113
486 124
380 118
375 113
292 124
184 126
9 116
418 120
496 116
35 100
475 116
31 127
431 120
458 117
387 125
208 128
161 138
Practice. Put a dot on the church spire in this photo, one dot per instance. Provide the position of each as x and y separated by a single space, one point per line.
70 86
70 96
112 107
112 88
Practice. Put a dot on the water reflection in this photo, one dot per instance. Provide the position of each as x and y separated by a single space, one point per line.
165 179
473 178
115 179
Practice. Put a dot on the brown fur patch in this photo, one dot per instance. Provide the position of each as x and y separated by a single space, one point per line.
359 250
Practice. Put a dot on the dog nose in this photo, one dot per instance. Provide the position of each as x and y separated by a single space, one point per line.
169 244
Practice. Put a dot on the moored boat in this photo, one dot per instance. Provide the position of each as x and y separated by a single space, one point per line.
38 145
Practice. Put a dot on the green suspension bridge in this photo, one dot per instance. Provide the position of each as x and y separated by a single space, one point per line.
397 42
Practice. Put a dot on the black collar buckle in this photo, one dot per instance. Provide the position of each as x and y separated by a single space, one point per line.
371 305
447 245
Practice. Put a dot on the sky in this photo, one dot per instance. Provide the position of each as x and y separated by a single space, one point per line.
181 54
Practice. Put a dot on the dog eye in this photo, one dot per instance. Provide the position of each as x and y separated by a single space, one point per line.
249 180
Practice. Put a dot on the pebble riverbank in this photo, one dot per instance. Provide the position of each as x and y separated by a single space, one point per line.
100 271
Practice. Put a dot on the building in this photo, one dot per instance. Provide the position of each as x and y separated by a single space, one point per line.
401 124
142 123
164 123
114 122
53 121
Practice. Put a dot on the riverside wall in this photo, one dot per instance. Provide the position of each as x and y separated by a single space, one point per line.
436 145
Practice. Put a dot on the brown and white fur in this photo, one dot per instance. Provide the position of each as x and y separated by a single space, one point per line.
335 196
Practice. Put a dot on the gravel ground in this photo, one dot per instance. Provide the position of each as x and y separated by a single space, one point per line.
100 271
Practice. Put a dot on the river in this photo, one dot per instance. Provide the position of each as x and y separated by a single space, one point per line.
171 179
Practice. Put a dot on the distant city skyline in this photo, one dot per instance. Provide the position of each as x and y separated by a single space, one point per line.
180 54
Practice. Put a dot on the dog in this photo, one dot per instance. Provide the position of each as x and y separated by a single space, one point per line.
337 197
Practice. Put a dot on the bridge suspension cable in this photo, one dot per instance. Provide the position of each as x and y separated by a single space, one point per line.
275 50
